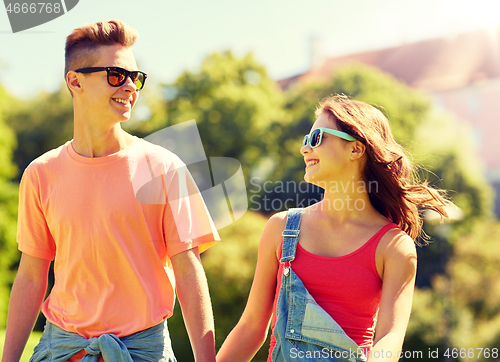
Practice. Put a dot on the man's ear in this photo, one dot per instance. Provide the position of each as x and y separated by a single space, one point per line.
73 82
357 150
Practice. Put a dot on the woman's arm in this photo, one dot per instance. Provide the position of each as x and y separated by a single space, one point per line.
399 260
251 331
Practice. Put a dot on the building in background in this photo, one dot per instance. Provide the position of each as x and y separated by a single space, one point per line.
461 73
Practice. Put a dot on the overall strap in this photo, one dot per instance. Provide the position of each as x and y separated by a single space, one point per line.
291 235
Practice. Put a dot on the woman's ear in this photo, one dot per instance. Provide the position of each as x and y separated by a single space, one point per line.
73 82
357 150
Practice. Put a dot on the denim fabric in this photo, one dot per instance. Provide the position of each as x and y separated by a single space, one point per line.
150 345
303 330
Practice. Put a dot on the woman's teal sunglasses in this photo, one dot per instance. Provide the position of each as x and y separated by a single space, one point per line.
315 137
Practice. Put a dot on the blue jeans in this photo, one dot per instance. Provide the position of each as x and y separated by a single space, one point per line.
150 345
303 330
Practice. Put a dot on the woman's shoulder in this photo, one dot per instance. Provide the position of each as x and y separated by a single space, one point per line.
396 255
396 243
273 232
276 224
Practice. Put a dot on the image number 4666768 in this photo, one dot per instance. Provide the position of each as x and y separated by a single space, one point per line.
29 14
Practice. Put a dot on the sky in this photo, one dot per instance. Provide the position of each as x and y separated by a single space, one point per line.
177 35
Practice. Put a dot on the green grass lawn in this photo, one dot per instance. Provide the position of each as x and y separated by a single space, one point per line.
28 351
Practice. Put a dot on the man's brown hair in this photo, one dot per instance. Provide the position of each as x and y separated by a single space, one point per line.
83 43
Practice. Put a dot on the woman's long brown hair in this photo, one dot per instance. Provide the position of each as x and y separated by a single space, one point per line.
400 196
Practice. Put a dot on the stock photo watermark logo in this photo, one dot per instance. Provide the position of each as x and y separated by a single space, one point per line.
272 196
218 180
29 14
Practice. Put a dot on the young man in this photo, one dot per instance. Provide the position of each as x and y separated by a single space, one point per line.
117 260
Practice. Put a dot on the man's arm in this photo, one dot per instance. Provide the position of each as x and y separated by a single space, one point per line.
194 299
26 299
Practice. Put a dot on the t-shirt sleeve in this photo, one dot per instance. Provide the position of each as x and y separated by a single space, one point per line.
33 234
188 223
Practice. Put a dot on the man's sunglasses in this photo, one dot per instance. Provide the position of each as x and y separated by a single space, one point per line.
315 137
118 76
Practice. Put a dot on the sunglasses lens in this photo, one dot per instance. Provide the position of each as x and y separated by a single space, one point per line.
306 138
116 77
138 79
315 138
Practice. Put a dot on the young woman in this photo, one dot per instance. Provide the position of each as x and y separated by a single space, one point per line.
355 258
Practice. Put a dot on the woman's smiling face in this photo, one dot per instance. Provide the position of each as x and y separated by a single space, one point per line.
330 160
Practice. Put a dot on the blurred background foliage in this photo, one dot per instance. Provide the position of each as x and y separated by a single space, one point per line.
9 257
243 114
233 101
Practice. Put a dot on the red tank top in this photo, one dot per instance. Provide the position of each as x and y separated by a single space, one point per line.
347 287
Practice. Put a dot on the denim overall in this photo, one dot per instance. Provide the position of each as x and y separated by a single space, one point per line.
150 345
303 330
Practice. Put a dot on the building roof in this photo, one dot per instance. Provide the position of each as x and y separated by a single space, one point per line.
433 65
461 72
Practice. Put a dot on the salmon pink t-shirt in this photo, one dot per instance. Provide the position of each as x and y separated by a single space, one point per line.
111 225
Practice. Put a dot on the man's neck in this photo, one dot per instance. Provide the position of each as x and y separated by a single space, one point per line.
95 142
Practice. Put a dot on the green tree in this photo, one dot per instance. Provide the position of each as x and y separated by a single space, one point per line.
42 123
461 309
474 288
232 100
9 256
